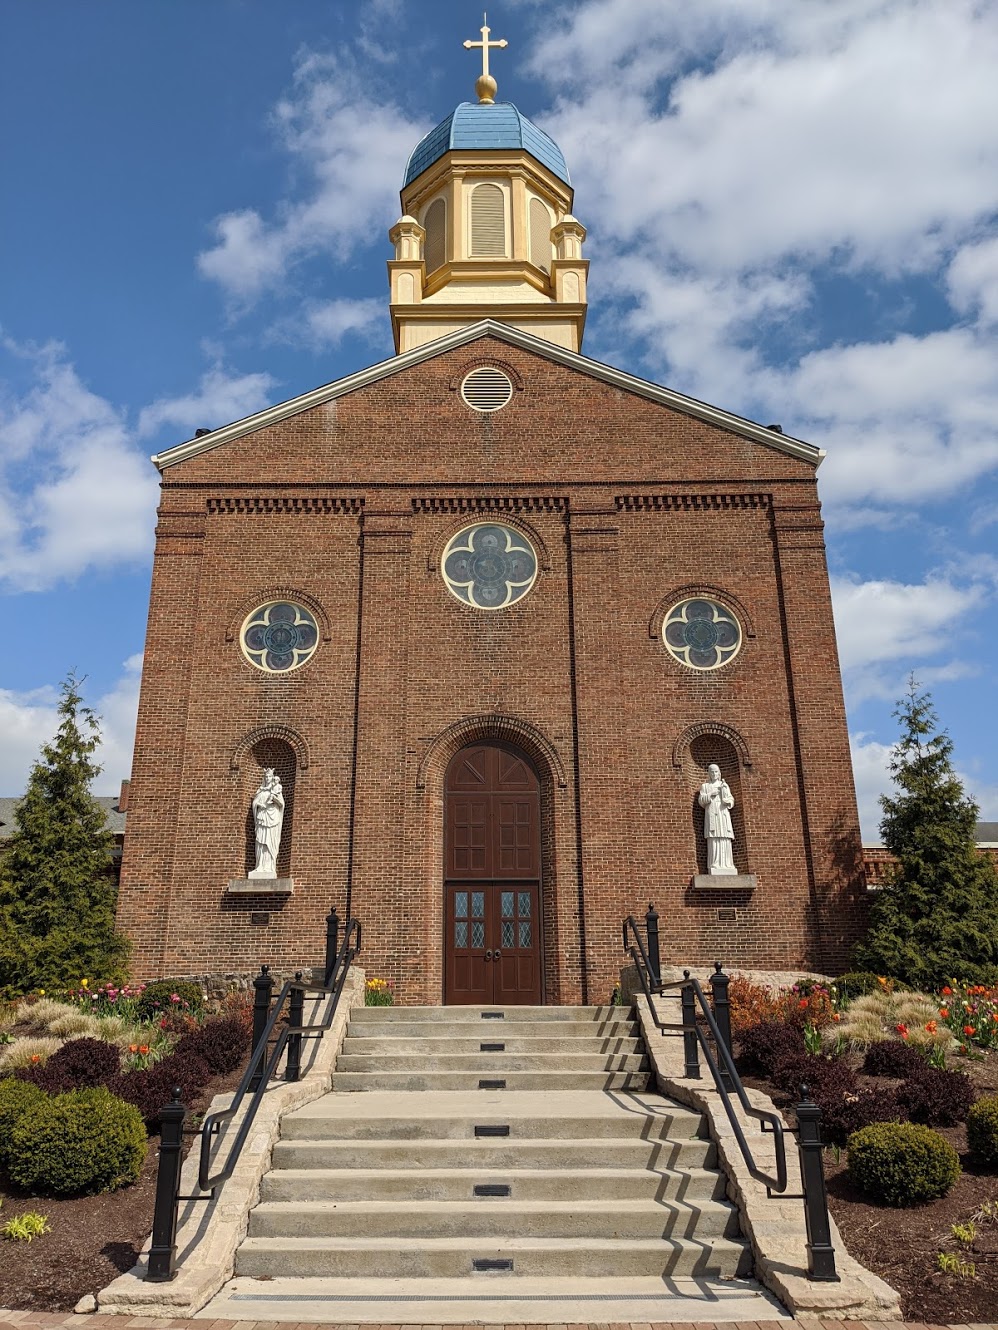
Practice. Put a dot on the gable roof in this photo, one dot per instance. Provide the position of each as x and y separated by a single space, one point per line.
503 332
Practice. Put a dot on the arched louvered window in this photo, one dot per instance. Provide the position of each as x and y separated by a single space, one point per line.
435 225
488 221
540 235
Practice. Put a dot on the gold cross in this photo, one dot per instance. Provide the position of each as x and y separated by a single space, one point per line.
486 84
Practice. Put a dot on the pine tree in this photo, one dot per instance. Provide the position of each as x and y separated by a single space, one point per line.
56 895
937 918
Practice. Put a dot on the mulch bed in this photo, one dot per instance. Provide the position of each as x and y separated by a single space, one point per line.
93 1240
902 1246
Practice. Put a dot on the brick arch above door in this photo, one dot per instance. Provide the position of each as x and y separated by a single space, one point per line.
489 729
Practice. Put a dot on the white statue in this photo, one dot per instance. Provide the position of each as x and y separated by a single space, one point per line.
715 798
268 814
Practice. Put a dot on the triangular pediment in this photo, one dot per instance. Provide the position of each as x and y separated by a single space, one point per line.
503 332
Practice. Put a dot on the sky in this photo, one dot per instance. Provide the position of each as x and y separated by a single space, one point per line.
792 213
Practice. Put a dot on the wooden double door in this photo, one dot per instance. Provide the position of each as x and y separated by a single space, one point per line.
492 878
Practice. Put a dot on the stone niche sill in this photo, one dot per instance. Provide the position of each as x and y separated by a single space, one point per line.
261 886
727 882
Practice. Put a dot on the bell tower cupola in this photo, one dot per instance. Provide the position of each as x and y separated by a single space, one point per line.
487 229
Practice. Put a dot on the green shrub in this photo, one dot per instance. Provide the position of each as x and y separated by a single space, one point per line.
16 1099
860 983
982 1129
75 1144
902 1163
167 996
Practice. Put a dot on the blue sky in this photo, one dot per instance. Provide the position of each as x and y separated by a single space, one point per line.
792 213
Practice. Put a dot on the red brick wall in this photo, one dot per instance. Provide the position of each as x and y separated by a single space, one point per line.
630 506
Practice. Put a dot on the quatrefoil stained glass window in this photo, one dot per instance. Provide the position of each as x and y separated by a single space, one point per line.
489 566
701 633
279 636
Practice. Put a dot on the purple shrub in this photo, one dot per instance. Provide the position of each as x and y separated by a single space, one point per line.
937 1098
151 1090
762 1046
222 1043
842 1115
825 1078
893 1057
80 1064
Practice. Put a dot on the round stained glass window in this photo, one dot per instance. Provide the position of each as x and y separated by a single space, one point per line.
489 566
701 633
279 637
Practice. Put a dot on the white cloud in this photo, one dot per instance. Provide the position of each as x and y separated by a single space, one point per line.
323 325
351 142
30 719
973 279
886 629
728 158
869 766
219 399
74 491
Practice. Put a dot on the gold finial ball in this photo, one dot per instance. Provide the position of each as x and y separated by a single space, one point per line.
486 87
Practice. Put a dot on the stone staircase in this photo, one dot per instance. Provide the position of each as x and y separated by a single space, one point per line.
474 1157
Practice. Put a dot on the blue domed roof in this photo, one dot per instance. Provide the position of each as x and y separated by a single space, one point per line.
482 125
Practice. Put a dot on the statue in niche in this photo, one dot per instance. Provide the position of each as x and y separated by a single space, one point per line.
268 816
716 801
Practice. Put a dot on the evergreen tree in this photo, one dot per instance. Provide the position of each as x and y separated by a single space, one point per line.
56 895
937 918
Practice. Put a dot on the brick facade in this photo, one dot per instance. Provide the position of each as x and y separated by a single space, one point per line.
346 507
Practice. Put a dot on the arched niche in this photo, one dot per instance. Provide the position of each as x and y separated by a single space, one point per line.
269 750
702 749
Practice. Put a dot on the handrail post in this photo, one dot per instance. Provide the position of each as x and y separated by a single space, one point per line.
719 982
820 1252
296 1015
691 1052
654 956
332 944
263 986
163 1251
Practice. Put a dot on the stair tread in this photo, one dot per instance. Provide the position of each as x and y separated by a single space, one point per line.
484 1173
396 1243
489 1205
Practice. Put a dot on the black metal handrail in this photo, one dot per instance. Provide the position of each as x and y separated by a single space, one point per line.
285 1026
715 1016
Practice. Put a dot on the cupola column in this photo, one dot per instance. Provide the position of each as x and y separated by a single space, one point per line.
408 270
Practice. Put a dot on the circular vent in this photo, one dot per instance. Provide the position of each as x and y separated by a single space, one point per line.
486 389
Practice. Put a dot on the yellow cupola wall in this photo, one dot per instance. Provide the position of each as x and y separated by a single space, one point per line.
487 230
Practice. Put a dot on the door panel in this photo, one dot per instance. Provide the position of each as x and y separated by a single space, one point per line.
492 878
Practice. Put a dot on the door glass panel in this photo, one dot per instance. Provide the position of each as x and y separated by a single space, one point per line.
461 904
524 934
524 910
460 934
507 904
478 905
508 935
478 935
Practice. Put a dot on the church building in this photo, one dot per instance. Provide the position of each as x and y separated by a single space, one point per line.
490 645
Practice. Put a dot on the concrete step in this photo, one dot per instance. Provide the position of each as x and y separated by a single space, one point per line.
389 1048
489 1064
442 1115
493 1016
401 1179
491 1155
499 1219
359 1028
407 1082
495 1300
407 1257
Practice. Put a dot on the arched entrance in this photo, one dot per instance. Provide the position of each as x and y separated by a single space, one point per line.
492 877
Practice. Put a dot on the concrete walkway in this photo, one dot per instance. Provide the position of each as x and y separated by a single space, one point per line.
28 1320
